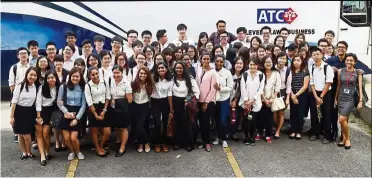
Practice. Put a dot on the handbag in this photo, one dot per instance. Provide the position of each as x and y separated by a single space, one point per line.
278 104
57 116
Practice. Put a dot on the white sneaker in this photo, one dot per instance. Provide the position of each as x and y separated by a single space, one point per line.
216 142
224 144
80 155
71 156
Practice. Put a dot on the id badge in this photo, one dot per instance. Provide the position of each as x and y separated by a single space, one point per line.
346 91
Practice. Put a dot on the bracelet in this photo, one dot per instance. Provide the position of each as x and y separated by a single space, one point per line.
104 110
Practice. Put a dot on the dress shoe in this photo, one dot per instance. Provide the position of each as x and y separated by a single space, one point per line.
43 162
340 144
165 148
326 141
157 148
104 155
176 147
48 157
313 137
119 154
23 157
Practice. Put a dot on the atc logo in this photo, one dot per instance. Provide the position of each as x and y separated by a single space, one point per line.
276 16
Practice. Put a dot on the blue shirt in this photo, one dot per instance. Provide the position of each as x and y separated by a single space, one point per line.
334 61
32 60
75 97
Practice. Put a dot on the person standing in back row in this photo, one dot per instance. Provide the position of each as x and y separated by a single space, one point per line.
71 41
215 36
321 79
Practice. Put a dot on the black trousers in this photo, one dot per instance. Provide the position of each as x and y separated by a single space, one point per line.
266 119
140 114
334 113
316 123
249 126
160 113
204 121
234 127
297 112
183 130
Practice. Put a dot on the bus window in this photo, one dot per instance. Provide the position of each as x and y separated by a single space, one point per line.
356 13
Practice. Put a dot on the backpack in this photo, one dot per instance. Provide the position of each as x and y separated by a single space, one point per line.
15 70
325 71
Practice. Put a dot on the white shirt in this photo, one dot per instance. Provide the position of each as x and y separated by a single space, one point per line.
225 48
75 55
319 80
24 98
128 50
163 46
273 84
150 64
135 70
41 101
245 43
163 88
120 90
181 90
105 73
97 93
225 80
21 72
68 65
142 96
112 62
252 89
179 42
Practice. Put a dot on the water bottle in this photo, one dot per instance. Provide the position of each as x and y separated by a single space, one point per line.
319 112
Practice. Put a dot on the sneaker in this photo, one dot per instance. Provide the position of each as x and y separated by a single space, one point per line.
80 155
246 141
224 144
216 142
71 156
34 145
15 138
257 137
253 142
208 147
268 139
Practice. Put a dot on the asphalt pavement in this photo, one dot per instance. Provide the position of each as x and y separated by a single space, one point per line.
281 158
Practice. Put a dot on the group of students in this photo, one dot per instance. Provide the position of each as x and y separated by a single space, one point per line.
223 79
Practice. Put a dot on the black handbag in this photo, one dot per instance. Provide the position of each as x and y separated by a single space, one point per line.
57 116
121 105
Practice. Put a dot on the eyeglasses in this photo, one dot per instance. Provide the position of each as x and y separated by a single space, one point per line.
51 49
116 43
341 47
323 46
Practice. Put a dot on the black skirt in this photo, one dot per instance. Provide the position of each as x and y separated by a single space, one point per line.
119 119
93 122
46 114
64 124
24 119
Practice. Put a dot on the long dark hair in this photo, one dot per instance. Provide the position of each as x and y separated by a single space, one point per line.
136 87
45 87
126 66
264 59
303 64
237 58
25 82
196 56
185 76
276 38
214 50
168 75
202 35
70 85
37 63
80 62
96 57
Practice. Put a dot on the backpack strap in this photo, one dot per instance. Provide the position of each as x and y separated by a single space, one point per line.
22 86
80 51
260 77
245 76
287 74
325 71
15 70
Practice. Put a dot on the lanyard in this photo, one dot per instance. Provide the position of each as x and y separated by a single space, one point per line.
348 79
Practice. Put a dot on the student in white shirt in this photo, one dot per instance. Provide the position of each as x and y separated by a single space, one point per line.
279 41
71 41
284 91
68 51
87 49
251 89
142 88
162 37
224 87
43 66
116 46
238 70
182 37
183 88
121 96
149 52
17 73
218 50
94 60
105 72
146 36
270 92
321 79
23 112
255 41
132 36
45 105
241 34
261 53
33 47
121 60
161 105
265 32
141 62
97 94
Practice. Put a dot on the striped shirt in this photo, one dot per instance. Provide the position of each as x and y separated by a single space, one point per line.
298 80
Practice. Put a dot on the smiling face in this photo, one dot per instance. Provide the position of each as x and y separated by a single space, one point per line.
206 59
159 59
141 60
51 51
350 62
219 63
23 56
121 61
75 78
162 70
179 70
32 76
261 53
71 40
252 66
255 43
204 40
279 41
116 45
239 65
93 61
117 74
268 63
187 60
106 60
67 52
178 54
297 62
218 51
94 75
142 75
282 60
43 63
